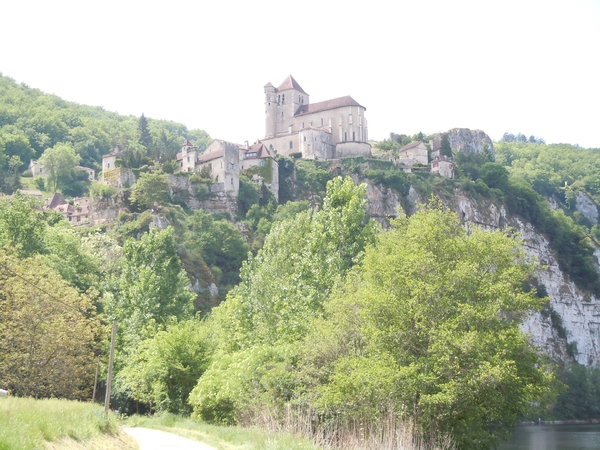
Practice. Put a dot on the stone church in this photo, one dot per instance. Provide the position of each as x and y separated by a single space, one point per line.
330 129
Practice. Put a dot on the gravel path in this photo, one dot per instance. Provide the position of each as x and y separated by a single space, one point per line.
149 439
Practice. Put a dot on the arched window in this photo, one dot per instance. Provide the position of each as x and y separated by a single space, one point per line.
291 145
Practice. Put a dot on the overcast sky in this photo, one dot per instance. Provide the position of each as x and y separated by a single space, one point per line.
517 66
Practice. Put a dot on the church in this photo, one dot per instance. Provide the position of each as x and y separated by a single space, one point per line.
330 129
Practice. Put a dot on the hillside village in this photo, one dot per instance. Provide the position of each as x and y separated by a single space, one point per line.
324 131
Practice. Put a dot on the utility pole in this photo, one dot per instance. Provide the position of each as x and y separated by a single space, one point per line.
110 366
96 380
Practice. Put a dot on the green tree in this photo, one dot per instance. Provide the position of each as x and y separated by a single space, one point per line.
60 162
153 287
162 371
150 190
144 137
428 327
48 332
287 282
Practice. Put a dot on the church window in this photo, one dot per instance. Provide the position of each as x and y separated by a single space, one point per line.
353 136
279 99
304 138
291 145
283 99
345 136
322 122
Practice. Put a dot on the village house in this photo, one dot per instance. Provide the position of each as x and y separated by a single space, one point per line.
224 162
436 146
330 129
77 213
443 166
113 174
37 170
413 153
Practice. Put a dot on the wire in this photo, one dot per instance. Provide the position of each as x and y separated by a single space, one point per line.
40 289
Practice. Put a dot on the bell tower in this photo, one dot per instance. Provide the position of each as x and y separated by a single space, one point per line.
270 110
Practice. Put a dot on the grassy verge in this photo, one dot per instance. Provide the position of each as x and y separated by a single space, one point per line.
28 424
221 437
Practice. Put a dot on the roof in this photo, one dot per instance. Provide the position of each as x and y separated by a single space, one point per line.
269 84
436 144
56 200
187 143
411 145
327 105
290 83
116 152
204 157
260 149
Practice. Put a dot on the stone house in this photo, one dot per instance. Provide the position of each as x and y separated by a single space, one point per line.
443 166
222 159
330 129
259 163
78 213
413 153
37 170
436 146
116 176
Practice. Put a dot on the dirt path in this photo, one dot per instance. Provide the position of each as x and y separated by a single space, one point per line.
149 439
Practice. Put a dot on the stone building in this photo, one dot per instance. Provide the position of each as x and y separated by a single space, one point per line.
222 160
38 170
330 129
413 153
443 166
258 162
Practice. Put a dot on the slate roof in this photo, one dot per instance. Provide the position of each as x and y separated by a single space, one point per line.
411 145
290 83
205 157
327 105
260 149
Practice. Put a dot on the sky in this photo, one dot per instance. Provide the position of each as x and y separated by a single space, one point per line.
524 66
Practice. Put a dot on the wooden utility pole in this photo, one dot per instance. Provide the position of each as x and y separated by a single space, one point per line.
96 380
110 365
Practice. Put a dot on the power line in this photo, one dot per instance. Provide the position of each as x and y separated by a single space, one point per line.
40 289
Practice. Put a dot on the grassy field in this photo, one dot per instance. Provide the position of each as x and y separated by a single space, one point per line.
28 424
222 438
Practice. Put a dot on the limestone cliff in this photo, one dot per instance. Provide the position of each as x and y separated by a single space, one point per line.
470 141
569 327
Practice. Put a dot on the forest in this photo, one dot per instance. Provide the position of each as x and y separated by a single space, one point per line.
319 311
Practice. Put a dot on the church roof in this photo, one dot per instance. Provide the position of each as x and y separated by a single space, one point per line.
290 83
327 105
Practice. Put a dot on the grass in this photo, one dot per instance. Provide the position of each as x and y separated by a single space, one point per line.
29 424
222 437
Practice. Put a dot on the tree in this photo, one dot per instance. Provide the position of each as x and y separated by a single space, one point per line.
150 190
48 332
22 225
144 137
153 287
445 148
287 282
427 327
162 371
60 162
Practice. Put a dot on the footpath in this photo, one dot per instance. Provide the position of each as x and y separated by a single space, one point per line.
149 439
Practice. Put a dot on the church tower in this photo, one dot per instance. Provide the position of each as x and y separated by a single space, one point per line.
270 110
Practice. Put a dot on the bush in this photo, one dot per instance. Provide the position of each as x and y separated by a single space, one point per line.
27 174
39 182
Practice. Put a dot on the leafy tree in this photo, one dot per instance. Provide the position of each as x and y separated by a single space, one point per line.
427 327
48 332
162 371
445 148
495 175
150 190
144 137
153 287
286 283
22 225
60 162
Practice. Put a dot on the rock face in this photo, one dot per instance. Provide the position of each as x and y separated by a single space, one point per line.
569 329
470 141
587 207
212 202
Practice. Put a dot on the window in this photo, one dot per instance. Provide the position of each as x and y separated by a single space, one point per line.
188 159
283 99
189 169
345 136
302 124
322 122
107 166
232 181
279 99
353 136
304 138
291 145
261 163
231 166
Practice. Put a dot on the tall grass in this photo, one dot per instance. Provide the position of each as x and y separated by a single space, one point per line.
351 433
25 423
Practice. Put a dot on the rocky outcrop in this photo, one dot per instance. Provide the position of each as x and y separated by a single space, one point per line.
198 196
587 207
104 211
470 141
